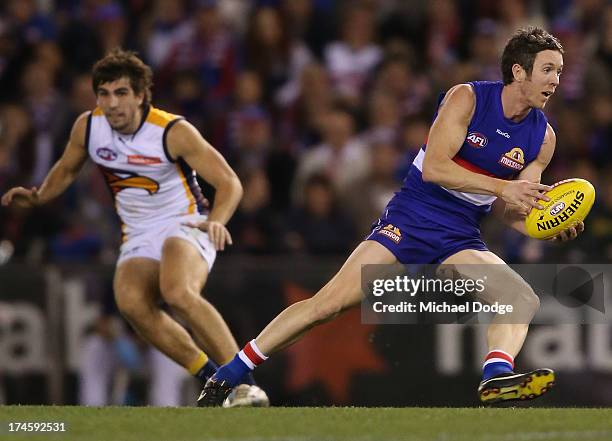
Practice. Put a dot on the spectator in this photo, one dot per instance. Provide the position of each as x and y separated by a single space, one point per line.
318 226
351 60
483 56
47 109
341 157
413 137
209 49
367 198
28 24
165 28
246 108
275 55
255 227
383 119
300 118
397 78
309 23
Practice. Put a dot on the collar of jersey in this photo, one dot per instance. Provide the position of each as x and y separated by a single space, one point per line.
145 114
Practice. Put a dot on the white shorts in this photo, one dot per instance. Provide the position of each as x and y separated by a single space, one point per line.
149 243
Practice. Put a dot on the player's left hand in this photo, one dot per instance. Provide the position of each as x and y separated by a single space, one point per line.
570 234
217 232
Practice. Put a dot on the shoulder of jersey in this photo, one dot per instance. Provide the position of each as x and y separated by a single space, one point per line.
155 116
160 118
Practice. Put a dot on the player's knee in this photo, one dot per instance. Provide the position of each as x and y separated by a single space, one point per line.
179 297
128 305
530 299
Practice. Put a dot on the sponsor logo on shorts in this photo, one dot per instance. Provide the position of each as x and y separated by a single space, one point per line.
143 160
477 140
392 232
106 154
514 159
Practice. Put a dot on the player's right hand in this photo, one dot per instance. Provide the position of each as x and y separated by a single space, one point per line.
217 232
21 197
525 194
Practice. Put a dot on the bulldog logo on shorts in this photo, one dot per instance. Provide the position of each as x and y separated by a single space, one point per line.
392 232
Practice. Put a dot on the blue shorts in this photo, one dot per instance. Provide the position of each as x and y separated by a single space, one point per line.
417 235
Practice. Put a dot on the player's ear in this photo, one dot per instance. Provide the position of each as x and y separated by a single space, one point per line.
519 73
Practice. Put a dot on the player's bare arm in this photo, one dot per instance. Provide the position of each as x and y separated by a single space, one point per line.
445 139
514 215
63 173
185 141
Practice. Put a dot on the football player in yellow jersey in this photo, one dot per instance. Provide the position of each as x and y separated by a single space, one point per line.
148 158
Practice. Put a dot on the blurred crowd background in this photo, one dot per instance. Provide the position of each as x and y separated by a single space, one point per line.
319 105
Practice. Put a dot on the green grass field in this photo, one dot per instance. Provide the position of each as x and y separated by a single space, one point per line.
305 424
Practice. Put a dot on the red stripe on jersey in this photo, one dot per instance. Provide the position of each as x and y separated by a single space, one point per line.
471 167
249 352
502 355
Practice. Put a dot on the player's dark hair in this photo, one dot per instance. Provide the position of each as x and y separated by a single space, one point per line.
119 63
522 49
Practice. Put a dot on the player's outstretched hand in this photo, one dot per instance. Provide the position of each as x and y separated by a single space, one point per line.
21 197
570 234
217 232
525 194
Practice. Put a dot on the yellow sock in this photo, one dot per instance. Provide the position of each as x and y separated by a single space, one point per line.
198 363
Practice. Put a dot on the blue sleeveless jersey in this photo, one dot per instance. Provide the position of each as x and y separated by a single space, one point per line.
449 220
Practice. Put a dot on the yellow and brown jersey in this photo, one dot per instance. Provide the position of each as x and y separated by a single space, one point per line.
148 185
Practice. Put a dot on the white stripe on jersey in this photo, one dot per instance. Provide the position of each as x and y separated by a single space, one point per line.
472 198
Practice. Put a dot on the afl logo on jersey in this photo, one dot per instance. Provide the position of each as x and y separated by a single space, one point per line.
514 159
476 140
106 154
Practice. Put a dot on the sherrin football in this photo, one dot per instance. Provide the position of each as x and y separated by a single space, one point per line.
570 203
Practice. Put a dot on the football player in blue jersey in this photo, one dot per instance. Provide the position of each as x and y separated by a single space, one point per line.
488 141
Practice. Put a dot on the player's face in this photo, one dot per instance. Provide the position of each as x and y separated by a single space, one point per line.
544 79
120 105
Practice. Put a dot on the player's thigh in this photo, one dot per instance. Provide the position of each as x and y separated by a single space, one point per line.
344 289
183 270
501 282
136 285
